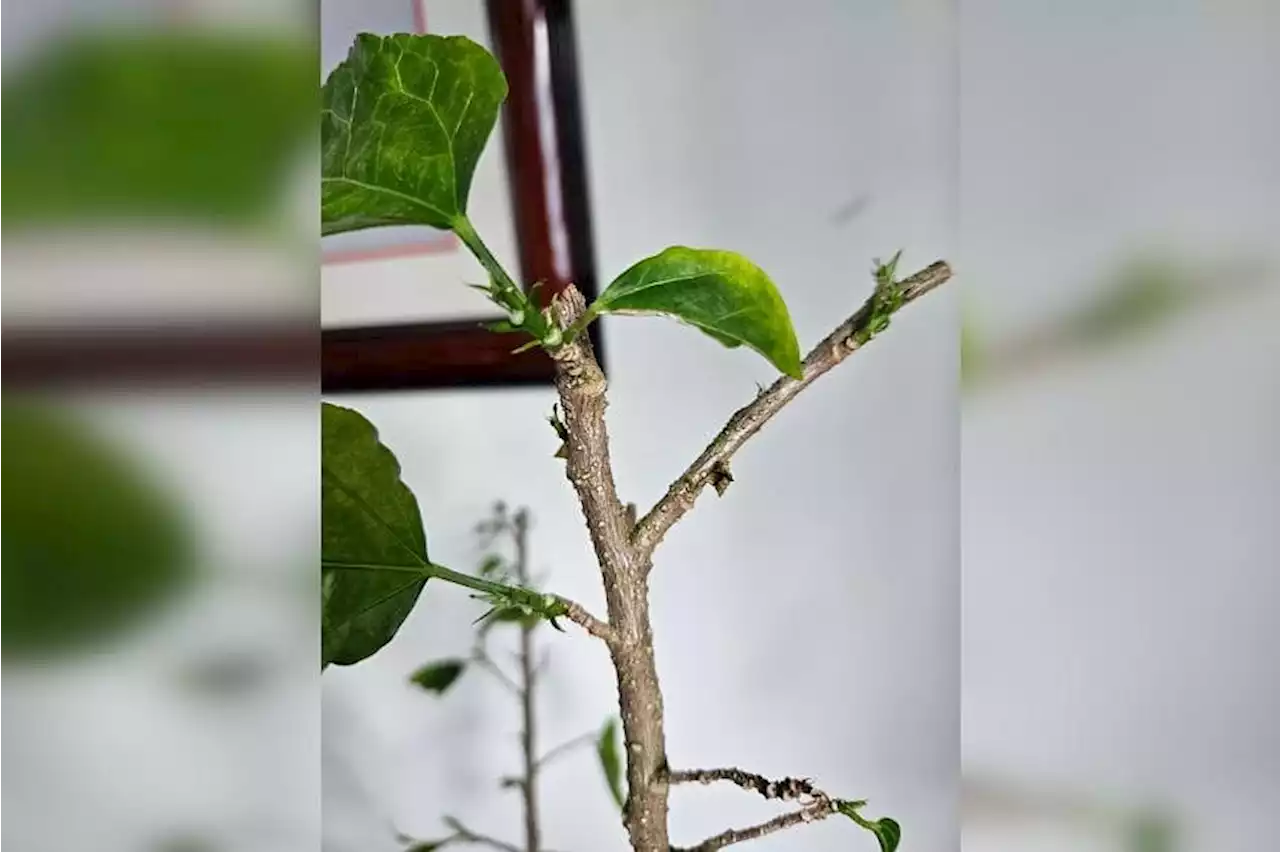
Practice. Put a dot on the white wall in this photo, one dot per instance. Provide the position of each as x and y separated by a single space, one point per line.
808 622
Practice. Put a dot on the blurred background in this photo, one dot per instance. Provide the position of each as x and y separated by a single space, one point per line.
1026 601
159 428
1118 222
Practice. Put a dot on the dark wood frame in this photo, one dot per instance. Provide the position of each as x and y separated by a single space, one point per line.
463 353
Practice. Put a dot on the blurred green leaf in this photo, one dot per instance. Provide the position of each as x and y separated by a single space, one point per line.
1145 289
192 125
719 292
438 676
491 566
1150 832
609 750
373 548
512 615
404 120
90 543
972 347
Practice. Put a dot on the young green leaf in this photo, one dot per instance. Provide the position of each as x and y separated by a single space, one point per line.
438 676
609 750
91 542
404 119
887 831
373 548
719 292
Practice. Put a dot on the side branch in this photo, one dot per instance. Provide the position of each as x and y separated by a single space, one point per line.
579 615
815 804
785 789
818 810
847 338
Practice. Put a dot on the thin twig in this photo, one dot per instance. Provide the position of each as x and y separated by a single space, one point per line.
816 804
820 809
563 748
528 688
466 835
482 659
785 789
579 615
847 338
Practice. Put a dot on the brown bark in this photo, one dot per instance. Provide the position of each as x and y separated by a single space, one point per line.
581 386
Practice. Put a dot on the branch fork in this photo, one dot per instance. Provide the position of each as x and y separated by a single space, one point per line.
624 549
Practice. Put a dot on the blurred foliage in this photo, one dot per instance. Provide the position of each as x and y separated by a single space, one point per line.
609 750
1152 832
437 677
1133 828
1143 292
192 125
90 543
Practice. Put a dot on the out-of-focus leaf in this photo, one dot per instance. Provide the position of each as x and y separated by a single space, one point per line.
189 125
90 543
491 566
512 615
719 292
404 120
373 548
1153 832
609 750
438 676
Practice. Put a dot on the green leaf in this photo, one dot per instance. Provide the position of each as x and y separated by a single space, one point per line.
404 119
198 126
888 832
609 749
719 292
90 542
373 548
438 676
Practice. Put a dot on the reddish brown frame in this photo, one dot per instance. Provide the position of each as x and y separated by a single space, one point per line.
463 353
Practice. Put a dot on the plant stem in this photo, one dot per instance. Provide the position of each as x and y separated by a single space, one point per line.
467 233
581 386
528 686
548 605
